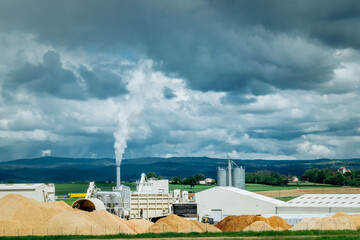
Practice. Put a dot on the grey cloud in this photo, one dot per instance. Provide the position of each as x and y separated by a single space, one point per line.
47 77
168 93
101 83
216 47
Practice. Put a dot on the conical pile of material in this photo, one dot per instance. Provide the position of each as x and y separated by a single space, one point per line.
239 223
173 223
21 216
205 227
140 225
356 218
278 223
340 214
326 223
258 226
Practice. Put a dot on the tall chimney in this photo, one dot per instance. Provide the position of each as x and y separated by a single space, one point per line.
229 172
118 176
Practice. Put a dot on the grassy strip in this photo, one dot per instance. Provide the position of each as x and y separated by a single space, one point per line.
281 234
286 199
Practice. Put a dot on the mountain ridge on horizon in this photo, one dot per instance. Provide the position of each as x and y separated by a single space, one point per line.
65 169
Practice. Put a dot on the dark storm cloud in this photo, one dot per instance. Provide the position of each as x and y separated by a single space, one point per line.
101 83
47 77
168 93
220 46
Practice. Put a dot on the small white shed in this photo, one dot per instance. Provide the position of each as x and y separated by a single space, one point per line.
220 202
38 191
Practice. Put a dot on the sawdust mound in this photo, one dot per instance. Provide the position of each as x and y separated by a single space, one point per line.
278 223
17 207
258 226
326 223
339 214
356 218
205 227
173 223
238 223
140 225
21 216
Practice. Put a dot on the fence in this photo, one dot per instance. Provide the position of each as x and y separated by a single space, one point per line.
163 228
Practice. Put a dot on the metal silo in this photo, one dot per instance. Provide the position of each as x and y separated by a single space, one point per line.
221 177
238 177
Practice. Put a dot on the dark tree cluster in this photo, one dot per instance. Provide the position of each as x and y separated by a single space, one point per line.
331 177
267 177
192 180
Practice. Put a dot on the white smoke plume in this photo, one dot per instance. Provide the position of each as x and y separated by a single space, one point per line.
142 84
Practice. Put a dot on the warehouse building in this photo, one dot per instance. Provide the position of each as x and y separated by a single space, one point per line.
321 203
220 202
38 191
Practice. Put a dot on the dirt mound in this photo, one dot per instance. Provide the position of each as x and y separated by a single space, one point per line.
278 222
356 218
17 207
59 204
258 226
205 227
140 225
21 216
173 223
326 223
339 214
238 223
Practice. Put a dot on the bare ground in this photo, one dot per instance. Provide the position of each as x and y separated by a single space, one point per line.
298 192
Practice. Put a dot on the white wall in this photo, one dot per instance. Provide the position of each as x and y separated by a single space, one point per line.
233 202
39 192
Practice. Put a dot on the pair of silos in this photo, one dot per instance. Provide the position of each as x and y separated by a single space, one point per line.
237 177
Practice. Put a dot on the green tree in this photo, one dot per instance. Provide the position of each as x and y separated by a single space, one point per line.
151 175
176 180
199 177
160 177
191 181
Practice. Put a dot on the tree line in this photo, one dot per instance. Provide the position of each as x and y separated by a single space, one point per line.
330 176
267 177
192 180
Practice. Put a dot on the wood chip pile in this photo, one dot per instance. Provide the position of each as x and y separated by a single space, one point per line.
21 216
339 221
173 223
242 222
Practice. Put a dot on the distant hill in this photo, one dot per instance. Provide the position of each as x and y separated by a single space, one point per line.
59 169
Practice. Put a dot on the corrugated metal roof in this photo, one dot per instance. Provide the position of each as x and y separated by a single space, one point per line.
20 186
252 194
324 200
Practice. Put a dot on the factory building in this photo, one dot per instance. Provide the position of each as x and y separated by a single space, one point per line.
321 204
38 191
220 202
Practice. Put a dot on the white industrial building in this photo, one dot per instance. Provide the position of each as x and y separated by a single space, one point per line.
220 202
321 203
38 191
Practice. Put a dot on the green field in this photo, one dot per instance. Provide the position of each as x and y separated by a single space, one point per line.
283 235
262 187
286 199
63 189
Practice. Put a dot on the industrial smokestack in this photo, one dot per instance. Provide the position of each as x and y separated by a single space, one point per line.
118 176
229 172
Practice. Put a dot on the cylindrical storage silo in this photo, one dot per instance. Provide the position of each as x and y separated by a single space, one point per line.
221 177
238 177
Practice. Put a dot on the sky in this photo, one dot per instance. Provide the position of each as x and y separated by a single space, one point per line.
257 79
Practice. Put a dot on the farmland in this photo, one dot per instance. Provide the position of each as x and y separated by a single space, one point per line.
62 189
